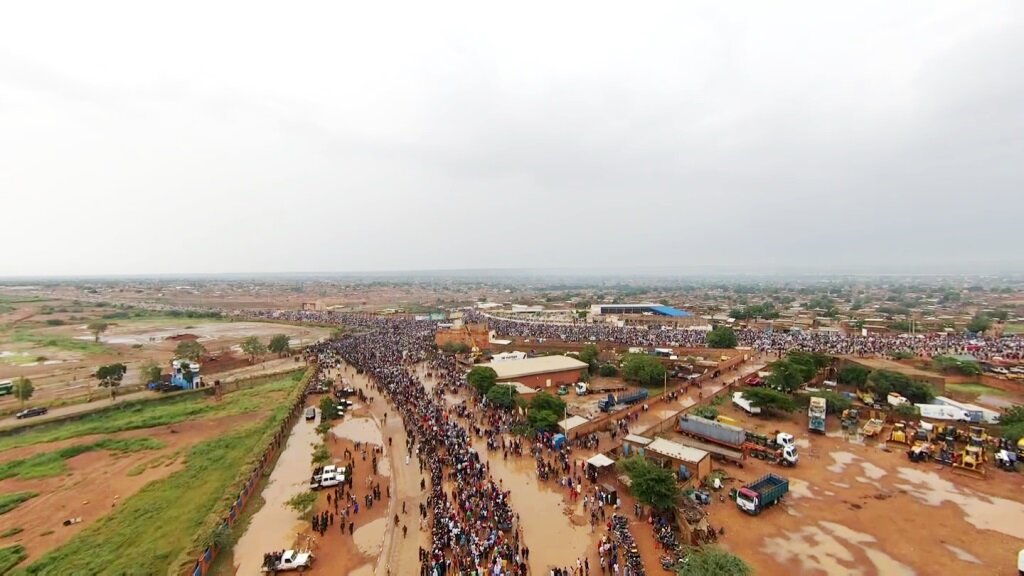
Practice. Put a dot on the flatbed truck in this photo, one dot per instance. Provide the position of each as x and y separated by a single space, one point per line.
762 493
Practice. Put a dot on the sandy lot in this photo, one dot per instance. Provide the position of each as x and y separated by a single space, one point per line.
862 509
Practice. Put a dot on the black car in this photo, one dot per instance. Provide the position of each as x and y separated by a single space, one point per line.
30 412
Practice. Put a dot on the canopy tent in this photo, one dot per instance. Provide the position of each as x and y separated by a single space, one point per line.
600 461
572 422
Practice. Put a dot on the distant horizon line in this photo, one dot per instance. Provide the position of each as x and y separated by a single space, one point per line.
697 271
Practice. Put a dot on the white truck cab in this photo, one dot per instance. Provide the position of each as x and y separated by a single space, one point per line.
785 439
582 388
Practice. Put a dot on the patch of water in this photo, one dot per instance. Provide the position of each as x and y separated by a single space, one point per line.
359 430
802 443
962 554
982 512
275 525
840 484
843 459
552 535
873 472
370 537
828 547
801 489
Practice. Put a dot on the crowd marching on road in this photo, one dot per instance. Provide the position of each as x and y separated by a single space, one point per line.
472 524
926 345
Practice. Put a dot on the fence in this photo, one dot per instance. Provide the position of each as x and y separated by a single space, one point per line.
252 479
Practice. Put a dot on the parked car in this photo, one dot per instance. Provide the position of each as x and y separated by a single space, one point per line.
30 412
311 413
290 560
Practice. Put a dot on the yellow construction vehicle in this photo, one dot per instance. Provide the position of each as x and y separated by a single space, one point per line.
978 436
872 427
970 461
899 433
866 397
1020 448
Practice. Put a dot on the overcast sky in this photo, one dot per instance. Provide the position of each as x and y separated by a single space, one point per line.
328 136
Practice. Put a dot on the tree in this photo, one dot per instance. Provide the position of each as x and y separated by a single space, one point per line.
607 370
949 364
882 382
482 378
721 337
589 355
650 484
980 323
768 399
23 389
150 371
713 561
708 412
253 348
854 375
786 376
502 396
328 409
279 345
1011 423
541 420
97 328
643 369
545 401
110 376
190 350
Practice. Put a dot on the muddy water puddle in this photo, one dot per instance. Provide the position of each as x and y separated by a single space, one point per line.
962 554
834 549
554 539
983 512
359 430
369 538
275 525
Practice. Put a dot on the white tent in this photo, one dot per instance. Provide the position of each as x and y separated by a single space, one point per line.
600 461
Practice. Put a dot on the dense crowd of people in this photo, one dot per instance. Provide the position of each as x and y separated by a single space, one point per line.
927 345
924 345
471 521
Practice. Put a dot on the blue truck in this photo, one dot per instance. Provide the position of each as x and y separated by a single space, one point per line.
764 492
626 398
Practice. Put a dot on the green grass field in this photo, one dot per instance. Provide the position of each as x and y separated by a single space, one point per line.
150 531
10 556
137 415
65 343
50 464
1014 329
12 500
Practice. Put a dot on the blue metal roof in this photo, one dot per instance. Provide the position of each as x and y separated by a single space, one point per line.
669 311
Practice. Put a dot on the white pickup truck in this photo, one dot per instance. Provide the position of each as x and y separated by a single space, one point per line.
288 561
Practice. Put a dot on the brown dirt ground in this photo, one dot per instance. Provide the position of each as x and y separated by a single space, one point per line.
867 517
97 481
